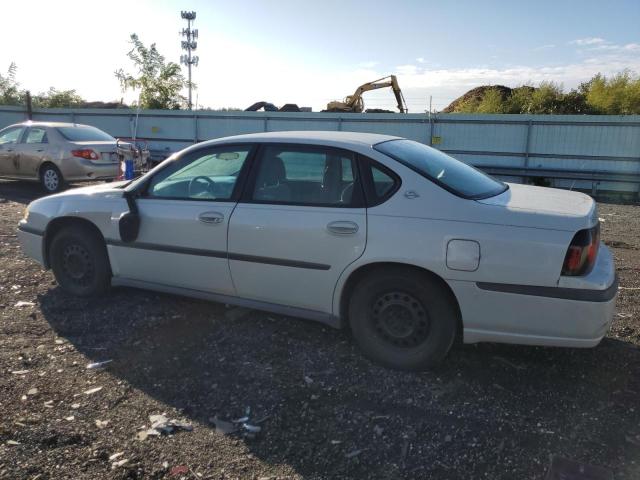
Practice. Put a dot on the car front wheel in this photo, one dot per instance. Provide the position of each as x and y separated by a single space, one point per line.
51 178
403 319
79 261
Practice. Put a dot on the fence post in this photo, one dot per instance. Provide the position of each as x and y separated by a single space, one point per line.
526 150
432 121
29 106
339 124
266 125
195 128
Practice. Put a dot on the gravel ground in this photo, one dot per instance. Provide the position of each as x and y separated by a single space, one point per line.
490 411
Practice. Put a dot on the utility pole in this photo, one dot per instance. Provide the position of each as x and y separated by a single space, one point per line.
189 45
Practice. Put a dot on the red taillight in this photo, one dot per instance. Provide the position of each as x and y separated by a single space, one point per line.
581 254
85 153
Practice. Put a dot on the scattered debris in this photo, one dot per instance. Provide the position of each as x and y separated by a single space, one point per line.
101 423
354 453
179 470
242 424
23 303
251 428
13 443
70 419
92 390
20 372
75 406
224 427
33 391
119 463
115 455
160 425
97 365
308 380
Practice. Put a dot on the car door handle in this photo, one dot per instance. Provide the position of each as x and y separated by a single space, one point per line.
211 217
343 227
40 150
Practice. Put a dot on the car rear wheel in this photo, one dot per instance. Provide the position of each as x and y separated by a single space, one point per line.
79 261
51 179
403 319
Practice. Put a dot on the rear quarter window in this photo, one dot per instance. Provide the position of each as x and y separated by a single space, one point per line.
453 175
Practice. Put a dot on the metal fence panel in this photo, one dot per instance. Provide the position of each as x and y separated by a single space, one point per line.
568 149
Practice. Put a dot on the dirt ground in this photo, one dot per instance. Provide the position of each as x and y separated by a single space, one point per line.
490 411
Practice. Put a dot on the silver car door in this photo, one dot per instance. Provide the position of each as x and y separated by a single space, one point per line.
301 223
32 151
184 214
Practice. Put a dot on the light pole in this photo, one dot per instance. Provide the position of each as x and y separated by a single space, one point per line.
189 45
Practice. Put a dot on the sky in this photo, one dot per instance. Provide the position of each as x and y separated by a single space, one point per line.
310 52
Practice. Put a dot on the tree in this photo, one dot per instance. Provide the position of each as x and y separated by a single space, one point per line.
9 92
618 95
159 82
58 99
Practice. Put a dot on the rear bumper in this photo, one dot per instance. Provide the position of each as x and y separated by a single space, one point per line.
578 313
31 242
79 169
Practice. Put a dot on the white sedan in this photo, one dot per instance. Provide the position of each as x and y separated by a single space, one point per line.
397 241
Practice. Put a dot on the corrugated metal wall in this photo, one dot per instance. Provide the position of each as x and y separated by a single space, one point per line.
577 151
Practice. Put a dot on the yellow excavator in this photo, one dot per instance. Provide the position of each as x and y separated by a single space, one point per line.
354 103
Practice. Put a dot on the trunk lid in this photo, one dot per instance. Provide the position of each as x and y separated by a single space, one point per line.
106 150
551 207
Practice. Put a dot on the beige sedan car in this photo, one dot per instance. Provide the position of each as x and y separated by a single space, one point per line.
55 153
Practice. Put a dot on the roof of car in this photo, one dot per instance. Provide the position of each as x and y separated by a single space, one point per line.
30 123
333 137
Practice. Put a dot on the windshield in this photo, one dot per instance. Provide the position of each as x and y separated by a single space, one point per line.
453 175
85 134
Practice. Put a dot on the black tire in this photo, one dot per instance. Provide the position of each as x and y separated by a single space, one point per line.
51 179
79 260
403 319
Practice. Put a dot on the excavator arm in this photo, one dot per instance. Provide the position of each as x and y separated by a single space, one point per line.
355 103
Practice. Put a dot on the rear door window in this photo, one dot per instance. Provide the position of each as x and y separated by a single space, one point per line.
306 175
36 135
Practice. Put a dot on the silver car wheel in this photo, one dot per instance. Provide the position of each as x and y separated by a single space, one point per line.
50 179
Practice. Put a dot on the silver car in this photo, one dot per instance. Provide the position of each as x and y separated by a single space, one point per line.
55 153
397 241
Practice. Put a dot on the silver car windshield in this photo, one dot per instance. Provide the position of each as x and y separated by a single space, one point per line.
451 174
85 134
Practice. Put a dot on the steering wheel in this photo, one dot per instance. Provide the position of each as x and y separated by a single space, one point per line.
208 187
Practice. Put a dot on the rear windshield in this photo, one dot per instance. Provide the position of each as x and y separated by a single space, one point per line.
85 134
451 174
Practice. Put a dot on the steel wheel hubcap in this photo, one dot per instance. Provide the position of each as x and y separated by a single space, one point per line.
50 179
77 264
400 319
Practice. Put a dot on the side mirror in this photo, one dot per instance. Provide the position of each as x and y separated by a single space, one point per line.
129 222
129 226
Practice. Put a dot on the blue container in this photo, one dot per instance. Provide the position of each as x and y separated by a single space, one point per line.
128 170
